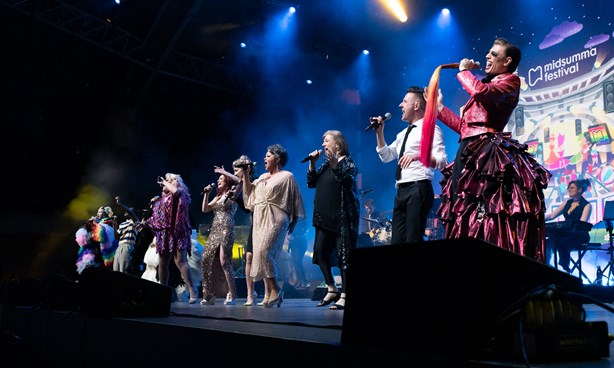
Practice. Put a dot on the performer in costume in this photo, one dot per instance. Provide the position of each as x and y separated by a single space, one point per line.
170 222
237 165
277 205
151 260
218 248
97 245
335 214
494 188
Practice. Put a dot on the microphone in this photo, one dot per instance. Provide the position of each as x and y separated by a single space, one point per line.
245 165
309 157
386 117
476 65
230 193
363 192
212 187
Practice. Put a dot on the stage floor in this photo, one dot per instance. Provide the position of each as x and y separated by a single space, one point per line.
301 320
297 319
298 332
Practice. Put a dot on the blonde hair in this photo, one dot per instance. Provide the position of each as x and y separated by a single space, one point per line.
171 176
245 160
107 210
339 139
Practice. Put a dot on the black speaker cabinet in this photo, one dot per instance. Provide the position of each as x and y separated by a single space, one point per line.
106 293
438 298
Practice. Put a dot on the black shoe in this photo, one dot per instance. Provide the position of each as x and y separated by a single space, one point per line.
337 306
324 302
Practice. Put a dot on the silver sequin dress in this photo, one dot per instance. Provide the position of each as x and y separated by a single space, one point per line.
222 236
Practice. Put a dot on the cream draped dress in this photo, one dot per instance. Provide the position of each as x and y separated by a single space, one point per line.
276 202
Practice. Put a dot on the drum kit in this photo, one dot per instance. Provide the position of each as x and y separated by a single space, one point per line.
380 232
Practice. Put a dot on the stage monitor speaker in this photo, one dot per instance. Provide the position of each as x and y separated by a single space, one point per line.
438 298
59 293
106 293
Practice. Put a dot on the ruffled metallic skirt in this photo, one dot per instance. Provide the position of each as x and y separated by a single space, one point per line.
498 197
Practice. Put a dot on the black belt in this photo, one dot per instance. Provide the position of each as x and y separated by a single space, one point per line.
408 184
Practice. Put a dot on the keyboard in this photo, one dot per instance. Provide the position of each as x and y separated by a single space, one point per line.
579 226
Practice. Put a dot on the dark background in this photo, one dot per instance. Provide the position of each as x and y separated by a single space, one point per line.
97 100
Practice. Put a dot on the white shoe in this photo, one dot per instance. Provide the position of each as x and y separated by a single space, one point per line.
229 300
211 301
253 302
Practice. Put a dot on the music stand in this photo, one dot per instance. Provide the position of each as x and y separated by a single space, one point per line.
608 216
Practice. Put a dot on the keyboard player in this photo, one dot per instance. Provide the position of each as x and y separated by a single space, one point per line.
576 210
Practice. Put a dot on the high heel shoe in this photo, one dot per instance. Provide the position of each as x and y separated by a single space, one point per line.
324 302
253 301
209 301
278 301
338 305
264 301
229 300
194 299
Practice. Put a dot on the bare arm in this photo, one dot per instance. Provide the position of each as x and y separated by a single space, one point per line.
248 186
586 213
206 205
129 210
172 188
220 170
556 213
379 130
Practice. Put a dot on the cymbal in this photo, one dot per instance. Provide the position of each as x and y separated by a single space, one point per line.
369 219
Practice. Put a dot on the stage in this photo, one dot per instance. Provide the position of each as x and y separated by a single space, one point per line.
298 333
463 312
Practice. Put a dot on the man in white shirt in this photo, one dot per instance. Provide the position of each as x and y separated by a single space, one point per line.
414 182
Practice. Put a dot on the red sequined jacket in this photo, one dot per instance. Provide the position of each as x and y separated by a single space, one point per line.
489 107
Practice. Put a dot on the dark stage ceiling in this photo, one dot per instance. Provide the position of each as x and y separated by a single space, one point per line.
153 84
97 100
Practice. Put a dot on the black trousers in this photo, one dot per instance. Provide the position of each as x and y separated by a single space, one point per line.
326 247
412 205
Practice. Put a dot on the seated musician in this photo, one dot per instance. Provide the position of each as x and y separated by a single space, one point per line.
374 219
576 208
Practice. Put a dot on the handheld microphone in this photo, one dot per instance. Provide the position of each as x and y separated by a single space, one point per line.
230 193
212 185
309 157
476 65
244 165
386 117
363 192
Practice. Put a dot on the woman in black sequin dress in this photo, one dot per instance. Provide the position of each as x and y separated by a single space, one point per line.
336 212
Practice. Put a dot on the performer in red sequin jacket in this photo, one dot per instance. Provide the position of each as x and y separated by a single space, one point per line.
494 188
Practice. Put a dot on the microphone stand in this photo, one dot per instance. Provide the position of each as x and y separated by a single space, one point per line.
608 268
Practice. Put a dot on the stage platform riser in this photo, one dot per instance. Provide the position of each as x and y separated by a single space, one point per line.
64 339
